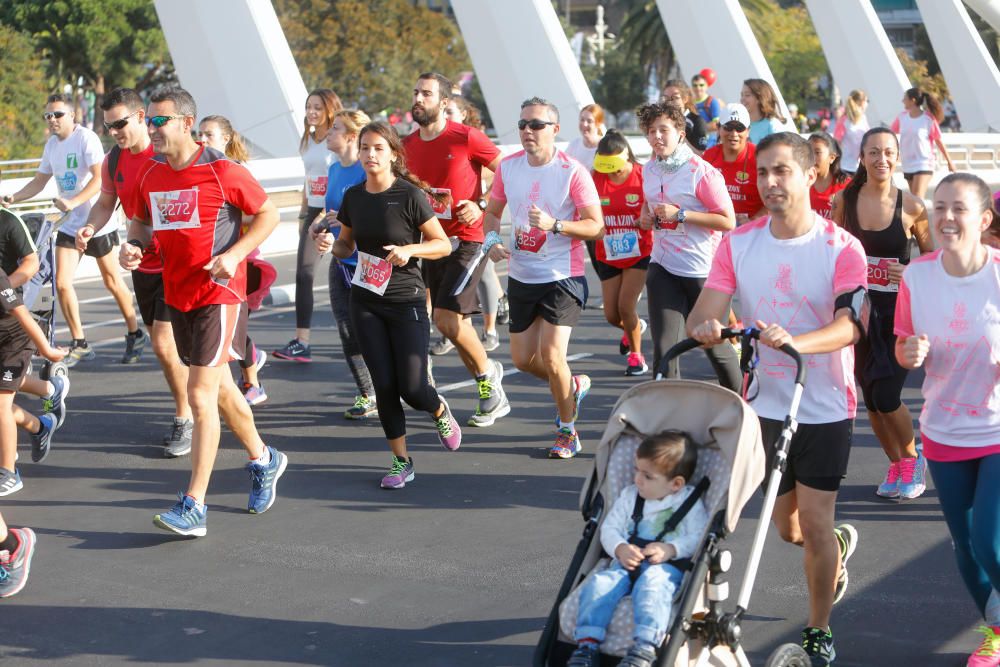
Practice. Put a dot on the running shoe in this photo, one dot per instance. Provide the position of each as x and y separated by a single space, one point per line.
10 481
178 442
889 488
254 394
259 357
184 518
636 364
493 403
264 481
818 644
399 473
567 444
295 350
134 345
41 442
364 407
987 655
78 354
449 432
623 345
442 346
639 656
503 311
581 386
16 566
585 655
912 473
490 340
55 403
847 542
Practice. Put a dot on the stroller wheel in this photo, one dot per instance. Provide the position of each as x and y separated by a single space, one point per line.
788 655
58 368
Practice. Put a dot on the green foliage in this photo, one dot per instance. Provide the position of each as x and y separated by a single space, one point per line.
917 71
22 94
622 85
370 51
645 41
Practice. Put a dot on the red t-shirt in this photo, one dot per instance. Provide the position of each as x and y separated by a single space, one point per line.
820 201
196 214
624 244
740 176
453 162
123 187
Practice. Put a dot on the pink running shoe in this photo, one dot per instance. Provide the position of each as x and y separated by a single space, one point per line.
636 364
889 488
988 653
448 429
911 477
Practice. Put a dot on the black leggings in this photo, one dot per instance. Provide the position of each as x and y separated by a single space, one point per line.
671 299
394 338
305 270
884 394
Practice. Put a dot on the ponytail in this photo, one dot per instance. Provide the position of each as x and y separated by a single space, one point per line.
928 102
398 167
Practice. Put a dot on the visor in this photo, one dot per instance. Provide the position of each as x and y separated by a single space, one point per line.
609 164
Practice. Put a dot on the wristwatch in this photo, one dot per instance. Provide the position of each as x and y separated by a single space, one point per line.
681 215
482 203
557 228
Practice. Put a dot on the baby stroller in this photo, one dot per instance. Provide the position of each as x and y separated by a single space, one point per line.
40 292
731 466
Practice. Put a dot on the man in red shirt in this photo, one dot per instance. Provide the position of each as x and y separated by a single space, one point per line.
450 157
736 158
191 199
125 120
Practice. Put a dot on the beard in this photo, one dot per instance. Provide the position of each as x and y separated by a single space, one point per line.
424 116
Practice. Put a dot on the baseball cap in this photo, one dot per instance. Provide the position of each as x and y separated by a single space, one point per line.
735 113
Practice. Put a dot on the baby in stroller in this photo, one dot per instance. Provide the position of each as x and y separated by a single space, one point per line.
654 522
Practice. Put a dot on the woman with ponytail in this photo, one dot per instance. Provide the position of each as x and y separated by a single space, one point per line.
850 131
884 219
918 130
830 179
388 219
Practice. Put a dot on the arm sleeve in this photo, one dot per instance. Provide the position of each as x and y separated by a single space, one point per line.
240 188
497 192
904 314
481 149
614 530
722 277
582 190
712 192
895 125
851 268
688 534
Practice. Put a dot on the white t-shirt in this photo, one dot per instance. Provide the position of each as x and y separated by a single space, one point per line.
317 160
850 145
685 249
794 283
578 151
559 187
916 137
69 162
617 526
961 317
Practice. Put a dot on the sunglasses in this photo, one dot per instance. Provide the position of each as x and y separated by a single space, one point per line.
120 123
49 115
734 127
535 124
160 121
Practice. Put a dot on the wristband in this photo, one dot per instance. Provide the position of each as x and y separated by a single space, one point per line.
492 239
137 243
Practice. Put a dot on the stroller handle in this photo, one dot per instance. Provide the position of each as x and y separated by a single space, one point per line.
689 344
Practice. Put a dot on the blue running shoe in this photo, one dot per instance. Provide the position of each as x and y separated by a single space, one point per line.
41 442
264 481
56 403
184 518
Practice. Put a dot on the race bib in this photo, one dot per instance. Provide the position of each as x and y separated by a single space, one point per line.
441 209
621 245
177 209
67 183
317 186
530 239
373 273
878 274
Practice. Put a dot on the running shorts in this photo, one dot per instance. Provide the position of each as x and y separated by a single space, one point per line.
148 289
97 247
453 280
211 335
550 301
15 354
607 272
818 454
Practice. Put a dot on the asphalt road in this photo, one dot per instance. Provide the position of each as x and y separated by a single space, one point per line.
459 568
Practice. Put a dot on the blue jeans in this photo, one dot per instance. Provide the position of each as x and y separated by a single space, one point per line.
969 493
652 601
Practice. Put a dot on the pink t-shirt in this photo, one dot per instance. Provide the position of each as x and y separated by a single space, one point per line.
961 317
685 249
916 141
559 187
794 283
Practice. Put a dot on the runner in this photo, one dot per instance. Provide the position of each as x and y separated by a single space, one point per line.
736 158
850 131
191 198
342 140
383 219
829 178
709 107
676 92
450 157
321 106
554 208
688 205
918 131
884 219
218 133
125 120
761 101
73 154
623 253
947 321
584 147
17 547
782 261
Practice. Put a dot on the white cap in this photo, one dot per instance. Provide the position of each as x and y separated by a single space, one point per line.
735 113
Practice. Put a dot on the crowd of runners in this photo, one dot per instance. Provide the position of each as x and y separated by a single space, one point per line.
733 221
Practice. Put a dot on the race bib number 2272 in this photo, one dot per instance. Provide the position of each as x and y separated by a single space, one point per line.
177 209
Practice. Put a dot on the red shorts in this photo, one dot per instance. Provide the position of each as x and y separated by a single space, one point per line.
212 335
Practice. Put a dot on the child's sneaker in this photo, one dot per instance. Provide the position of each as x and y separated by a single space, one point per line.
585 655
10 481
184 518
988 653
255 395
819 645
567 444
449 432
847 542
55 404
41 442
399 473
638 656
889 488
15 567
911 476
364 407
636 364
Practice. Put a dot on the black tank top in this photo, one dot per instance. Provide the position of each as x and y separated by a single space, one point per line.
890 242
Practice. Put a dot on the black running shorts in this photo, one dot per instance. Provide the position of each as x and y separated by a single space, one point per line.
97 247
453 280
211 335
148 289
818 454
549 301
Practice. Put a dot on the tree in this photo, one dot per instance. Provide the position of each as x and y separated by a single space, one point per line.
918 72
22 94
370 51
645 40
622 85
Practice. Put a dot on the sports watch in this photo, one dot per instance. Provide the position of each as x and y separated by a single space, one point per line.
557 227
